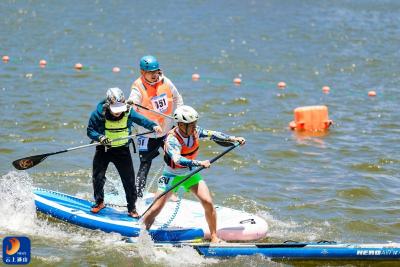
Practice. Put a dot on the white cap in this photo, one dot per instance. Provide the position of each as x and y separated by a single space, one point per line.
118 107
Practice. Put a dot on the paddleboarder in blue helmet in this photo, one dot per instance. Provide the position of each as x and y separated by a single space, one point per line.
155 92
113 119
180 153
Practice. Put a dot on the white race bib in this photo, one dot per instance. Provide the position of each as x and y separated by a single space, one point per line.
142 143
160 103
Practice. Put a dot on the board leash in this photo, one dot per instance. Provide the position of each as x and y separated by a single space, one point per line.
181 192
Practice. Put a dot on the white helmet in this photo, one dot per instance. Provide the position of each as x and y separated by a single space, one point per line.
114 95
116 100
185 114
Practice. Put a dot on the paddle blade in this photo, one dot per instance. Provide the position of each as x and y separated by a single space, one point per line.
29 162
224 143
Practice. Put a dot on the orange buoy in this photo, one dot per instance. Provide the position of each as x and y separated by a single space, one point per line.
311 118
326 89
116 69
281 85
6 59
371 93
42 63
78 66
237 81
195 76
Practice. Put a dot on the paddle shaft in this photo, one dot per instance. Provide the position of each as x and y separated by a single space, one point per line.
219 142
98 143
29 162
188 176
155 112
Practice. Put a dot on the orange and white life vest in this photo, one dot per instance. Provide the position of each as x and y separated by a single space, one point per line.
157 97
187 152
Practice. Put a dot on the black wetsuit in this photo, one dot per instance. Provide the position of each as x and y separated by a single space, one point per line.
146 157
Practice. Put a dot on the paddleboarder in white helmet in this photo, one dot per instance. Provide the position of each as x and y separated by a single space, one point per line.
113 119
180 153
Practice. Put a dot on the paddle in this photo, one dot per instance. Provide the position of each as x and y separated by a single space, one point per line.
224 143
190 175
219 142
156 112
29 162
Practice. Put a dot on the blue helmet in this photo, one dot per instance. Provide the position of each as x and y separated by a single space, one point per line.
149 63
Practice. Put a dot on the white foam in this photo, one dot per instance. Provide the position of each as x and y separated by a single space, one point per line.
48 260
17 208
185 256
145 245
168 256
297 231
165 255
19 215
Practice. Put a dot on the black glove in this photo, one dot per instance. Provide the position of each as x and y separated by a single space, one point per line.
105 141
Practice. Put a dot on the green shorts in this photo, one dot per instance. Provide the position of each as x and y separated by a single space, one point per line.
165 182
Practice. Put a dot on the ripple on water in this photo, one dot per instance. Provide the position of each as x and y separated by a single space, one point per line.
38 126
236 114
24 102
6 151
5 76
395 227
389 126
37 139
241 203
67 181
367 167
81 75
239 101
386 161
32 114
88 106
284 154
56 113
363 226
356 193
287 95
251 126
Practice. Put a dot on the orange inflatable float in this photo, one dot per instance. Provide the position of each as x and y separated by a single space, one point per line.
311 118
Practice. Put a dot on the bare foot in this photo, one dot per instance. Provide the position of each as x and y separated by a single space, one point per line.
174 198
216 240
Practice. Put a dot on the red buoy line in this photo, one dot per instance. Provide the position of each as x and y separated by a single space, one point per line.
195 76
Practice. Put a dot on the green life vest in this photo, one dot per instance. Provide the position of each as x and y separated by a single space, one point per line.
117 129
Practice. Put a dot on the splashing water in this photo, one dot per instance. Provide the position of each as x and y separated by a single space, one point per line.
18 207
16 202
145 245
116 194
168 256
19 216
180 257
